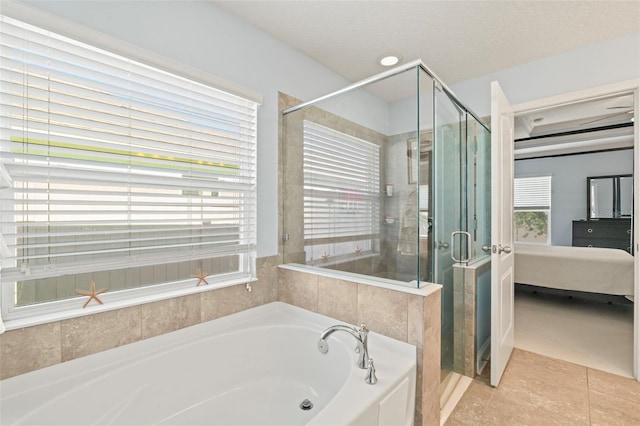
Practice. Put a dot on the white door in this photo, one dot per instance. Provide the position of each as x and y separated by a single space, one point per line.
502 318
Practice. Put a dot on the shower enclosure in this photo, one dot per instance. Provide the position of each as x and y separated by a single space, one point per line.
389 178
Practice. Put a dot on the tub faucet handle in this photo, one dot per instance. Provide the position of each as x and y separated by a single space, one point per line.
363 330
371 378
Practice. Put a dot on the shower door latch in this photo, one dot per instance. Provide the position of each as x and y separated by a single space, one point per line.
499 249
453 235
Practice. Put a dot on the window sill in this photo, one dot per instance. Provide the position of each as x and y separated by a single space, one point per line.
18 323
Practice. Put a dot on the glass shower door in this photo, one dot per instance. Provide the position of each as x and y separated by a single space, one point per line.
461 229
450 213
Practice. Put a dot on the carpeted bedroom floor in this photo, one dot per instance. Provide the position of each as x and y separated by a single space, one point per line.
591 333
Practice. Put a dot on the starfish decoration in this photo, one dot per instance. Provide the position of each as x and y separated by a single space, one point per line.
325 257
93 294
358 251
201 278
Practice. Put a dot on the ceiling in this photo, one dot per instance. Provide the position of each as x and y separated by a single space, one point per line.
594 125
457 40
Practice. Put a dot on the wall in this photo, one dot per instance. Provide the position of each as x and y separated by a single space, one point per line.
598 64
569 184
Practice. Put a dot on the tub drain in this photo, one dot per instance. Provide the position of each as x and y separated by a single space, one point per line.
306 405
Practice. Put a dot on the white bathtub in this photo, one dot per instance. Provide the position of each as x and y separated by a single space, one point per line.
251 368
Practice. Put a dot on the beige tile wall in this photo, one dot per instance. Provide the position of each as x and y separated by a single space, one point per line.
32 348
464 303
407 317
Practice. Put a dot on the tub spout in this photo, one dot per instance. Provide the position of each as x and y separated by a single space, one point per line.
360 334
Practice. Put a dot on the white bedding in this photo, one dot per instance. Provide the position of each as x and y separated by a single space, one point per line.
590 269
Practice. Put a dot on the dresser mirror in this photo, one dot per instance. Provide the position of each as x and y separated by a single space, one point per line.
609 197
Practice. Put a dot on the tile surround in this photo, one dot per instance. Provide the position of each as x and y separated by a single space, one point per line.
30 349
39 346
169 315
384 311
89 334
338 299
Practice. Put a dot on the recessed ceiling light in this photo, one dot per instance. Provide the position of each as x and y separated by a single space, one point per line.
389 60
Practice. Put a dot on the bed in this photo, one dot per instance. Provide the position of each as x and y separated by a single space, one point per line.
589 269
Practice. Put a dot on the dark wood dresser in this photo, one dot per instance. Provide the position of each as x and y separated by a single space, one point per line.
608 233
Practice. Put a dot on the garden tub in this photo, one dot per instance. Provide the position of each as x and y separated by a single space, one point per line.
256 367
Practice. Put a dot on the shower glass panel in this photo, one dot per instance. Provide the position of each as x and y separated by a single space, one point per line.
356 181
479 184
450 211
425 172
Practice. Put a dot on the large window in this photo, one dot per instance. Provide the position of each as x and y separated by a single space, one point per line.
117 174
532 204
341 195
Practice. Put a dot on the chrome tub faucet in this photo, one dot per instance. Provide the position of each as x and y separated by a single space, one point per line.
361 335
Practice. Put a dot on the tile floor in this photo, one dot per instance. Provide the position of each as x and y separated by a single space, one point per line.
539 390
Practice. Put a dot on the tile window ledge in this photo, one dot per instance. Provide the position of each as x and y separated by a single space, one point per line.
15 324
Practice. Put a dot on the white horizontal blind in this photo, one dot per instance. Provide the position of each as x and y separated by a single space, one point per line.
115 163
341 185
532 192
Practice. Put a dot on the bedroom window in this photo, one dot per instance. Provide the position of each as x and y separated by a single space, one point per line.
341 195
532 204
116 175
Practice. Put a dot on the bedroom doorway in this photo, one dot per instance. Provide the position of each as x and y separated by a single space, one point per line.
566 143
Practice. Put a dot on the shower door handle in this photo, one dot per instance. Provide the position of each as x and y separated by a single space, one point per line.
453 235
443 245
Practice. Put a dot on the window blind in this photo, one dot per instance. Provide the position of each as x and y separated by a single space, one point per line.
532 192
341 185
117 164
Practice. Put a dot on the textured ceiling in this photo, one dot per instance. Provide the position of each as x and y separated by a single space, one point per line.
458 40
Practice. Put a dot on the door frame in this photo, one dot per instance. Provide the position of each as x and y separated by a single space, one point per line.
627 86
